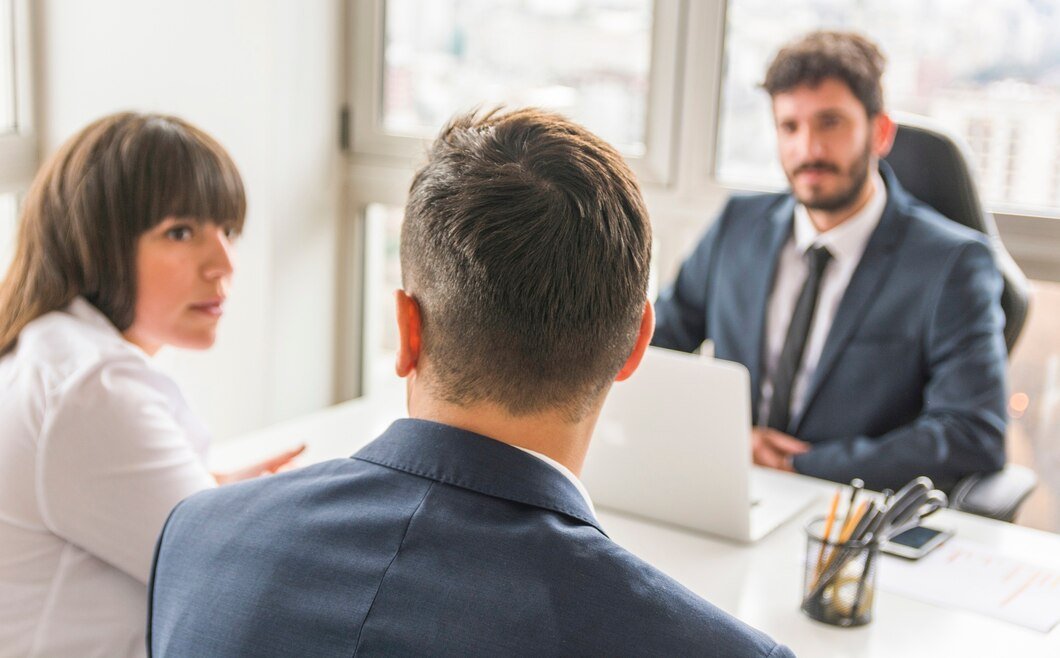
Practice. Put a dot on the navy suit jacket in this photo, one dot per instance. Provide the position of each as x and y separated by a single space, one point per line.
911 380
429 541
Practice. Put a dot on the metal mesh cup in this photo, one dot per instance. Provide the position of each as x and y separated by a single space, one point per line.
839 580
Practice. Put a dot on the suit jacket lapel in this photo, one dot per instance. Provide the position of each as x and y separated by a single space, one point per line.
777 232
869 276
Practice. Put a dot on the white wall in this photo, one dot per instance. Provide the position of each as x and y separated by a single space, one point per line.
263 77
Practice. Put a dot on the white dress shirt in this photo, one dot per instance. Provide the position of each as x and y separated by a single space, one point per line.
96 448
846 243
565 472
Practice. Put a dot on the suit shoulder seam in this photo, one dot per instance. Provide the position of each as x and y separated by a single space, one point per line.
397 551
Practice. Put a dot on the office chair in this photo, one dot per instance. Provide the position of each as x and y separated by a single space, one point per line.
932 163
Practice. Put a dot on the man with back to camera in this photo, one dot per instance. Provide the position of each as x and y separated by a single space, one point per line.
463 530
871 325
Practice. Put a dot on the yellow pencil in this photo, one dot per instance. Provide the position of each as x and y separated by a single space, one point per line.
852 522
844 535
828 523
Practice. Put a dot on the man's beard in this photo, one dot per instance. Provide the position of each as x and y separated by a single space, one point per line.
845 197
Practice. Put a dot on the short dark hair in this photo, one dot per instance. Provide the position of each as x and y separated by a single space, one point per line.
846 56
527 245
90 202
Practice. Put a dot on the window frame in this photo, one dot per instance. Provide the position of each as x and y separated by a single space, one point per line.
18 149
369 138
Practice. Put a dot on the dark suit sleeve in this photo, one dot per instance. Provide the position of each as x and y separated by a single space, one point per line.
151 580
961 429
681 309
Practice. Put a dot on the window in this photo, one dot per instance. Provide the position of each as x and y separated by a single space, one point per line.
613 65
978 136
7 67
1034 404
610 64
382 276
443 56
1056 169
988 68
8 202
18 151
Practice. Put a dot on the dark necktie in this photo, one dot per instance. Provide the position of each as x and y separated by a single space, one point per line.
795 341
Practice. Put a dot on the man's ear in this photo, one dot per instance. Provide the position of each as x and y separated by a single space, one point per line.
883 131
410 333
647 328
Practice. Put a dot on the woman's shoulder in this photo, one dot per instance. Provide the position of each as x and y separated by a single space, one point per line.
60 344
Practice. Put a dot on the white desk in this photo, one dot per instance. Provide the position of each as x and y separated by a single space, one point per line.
761 583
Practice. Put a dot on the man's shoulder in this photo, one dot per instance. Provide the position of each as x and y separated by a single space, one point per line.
651 604
745 207
746 215
613 602
322 483
927 228
274 509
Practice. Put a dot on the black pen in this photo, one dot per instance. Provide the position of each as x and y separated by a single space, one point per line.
870 531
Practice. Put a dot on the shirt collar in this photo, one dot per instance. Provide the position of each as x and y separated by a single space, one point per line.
567 473
478 463
84 311
847 241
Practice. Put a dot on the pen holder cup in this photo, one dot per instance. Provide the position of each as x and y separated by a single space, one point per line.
839 579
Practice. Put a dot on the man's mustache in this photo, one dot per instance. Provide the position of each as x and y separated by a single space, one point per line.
818 165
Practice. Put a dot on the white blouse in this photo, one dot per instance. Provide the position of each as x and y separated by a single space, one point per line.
96 447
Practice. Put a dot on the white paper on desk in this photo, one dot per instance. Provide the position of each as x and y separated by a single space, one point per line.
963 574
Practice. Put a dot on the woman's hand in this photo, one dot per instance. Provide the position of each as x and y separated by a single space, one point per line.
264 467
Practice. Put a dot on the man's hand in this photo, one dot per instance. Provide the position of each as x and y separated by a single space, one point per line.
775 449
267 466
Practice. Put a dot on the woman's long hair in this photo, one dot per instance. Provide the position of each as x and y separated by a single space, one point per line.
91 201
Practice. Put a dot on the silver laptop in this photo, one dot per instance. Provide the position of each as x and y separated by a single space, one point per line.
673 444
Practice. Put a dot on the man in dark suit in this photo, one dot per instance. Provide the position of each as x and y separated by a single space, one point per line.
871 325
463 530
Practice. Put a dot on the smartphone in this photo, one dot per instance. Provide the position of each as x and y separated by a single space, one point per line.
915 543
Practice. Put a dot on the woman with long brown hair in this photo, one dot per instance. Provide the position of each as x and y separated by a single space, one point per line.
124 246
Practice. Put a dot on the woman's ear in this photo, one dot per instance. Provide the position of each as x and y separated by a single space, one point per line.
410 336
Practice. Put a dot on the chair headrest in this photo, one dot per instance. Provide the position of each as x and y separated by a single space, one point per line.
933 164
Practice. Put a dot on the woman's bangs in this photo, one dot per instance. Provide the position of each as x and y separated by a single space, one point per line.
197 180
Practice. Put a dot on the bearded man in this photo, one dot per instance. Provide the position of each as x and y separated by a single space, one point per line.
871 324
